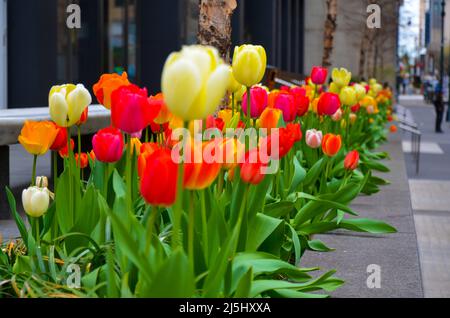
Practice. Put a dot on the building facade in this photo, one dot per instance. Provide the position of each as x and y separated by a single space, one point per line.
134 36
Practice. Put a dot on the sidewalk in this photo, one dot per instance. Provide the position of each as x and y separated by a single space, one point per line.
396 254
430 196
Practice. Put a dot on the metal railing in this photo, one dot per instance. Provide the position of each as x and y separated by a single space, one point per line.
407 124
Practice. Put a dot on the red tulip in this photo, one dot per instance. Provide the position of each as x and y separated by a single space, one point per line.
82 161
130 109
251 167
60 140
158 184
212 122
64 152
351 160
259 101
331 144
84 117
328 104
285 143
301 100
286 103
319 75
108 145
295 131
356 108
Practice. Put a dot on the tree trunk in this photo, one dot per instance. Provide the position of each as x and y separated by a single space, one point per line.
362 52
214 26
330 29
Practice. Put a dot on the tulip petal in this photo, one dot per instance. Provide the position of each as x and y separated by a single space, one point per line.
78 100
216 88
58 109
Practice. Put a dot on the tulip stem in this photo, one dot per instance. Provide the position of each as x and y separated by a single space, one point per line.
204 225
128 174
191 230
55 170
33 174
150 225
249 101
232 105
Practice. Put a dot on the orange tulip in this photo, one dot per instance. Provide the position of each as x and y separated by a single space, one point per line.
225 115
198 176
393 129
64 152
232 151
82 161
351 160
331 144
84 117
107 84
38 137
269 118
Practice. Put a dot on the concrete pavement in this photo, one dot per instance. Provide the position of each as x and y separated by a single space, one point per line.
430 197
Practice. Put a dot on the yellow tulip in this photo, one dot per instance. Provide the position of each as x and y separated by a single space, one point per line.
334 88
360 91
234 85
240 94
67 103
348 96
341 77
225 115
249 64
194 81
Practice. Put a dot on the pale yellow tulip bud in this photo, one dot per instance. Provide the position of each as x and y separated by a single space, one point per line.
360 91
249 64
35 201
334 88
42 182
67 103
194 81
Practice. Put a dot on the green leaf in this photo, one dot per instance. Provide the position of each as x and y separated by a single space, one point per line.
245 285
19 222
319 246
315 171
174 279
299 175
279 209
367 225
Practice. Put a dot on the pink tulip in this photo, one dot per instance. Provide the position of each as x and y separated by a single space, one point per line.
314 138
319 75
108 145
259 100
337 116
286 103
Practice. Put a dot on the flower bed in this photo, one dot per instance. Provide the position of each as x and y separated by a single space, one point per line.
180 199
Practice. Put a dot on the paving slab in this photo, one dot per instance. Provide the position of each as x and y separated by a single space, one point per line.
396 254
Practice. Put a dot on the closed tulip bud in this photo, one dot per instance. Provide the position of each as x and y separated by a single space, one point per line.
360 91
35 201
147 149
42 182
239 95
313 138
82 160
348 96
393 129
319 75
331 144
67 103
351 160
353 118
259 100
225 115
341 77
343 123
337 116
194 81
370 109
108 145
249 64
164 115
64 151
355 108
200 175
328 104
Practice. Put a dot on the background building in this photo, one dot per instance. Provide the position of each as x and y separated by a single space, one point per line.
137 35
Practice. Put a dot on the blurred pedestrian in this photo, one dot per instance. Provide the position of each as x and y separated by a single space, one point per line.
439 107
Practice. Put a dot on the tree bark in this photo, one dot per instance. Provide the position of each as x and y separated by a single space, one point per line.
214 27
329 31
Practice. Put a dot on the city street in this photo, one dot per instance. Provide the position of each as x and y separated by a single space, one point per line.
430 197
